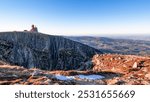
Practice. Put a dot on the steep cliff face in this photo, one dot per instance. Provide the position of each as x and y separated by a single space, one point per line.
44 51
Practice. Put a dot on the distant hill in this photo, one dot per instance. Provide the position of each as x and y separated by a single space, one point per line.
116 45
44 51
133 37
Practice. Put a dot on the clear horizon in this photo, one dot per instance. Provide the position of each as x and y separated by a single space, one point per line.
77 17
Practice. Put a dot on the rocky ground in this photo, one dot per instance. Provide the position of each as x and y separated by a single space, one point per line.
108 69
135 69
14 75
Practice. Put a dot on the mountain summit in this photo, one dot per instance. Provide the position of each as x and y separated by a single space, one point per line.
44 51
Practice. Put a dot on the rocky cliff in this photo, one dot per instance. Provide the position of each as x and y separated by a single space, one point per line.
44 51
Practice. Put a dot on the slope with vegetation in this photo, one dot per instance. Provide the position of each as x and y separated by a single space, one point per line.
118 46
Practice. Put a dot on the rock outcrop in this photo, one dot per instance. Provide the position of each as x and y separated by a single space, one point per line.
44 51
135 69
12 75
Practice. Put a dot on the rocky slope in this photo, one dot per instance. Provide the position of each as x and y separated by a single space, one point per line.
44 51
135 69
108 70
12 75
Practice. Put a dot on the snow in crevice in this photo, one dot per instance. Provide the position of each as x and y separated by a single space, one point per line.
86 77
91 77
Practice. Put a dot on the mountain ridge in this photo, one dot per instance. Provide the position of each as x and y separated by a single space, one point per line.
115 46
44 51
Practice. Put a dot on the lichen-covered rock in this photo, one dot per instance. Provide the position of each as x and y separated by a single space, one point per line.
44 51
119 63
12 75
135 69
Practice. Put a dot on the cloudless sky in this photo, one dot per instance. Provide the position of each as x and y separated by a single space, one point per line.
76 17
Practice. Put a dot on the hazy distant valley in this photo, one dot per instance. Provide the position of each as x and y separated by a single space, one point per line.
117 45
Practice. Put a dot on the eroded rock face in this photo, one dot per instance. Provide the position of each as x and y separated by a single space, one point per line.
44 51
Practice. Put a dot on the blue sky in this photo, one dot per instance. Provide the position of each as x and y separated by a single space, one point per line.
77 17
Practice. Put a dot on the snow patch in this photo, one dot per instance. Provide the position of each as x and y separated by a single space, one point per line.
89 77
62 77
